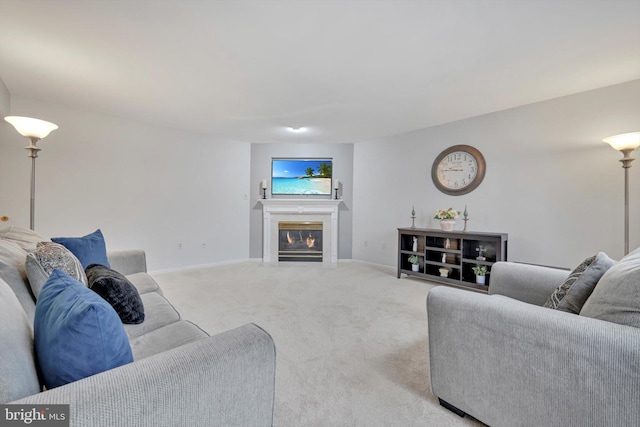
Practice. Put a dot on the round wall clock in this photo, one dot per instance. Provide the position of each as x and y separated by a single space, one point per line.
458 170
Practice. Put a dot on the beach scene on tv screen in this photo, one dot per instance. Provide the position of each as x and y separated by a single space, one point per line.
301 176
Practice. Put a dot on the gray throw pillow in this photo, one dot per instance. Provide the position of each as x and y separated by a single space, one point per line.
47 257
617 297
571 295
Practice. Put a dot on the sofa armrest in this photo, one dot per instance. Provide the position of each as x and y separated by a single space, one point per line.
525 282
510 363
128 262
227 379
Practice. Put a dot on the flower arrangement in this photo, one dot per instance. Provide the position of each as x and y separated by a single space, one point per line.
480 270
413 259
446 214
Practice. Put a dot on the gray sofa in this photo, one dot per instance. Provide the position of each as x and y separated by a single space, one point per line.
180 376
507 361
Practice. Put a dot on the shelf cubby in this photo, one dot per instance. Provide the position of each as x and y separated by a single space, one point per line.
457 251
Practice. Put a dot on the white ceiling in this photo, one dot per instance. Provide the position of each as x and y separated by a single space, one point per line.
350 71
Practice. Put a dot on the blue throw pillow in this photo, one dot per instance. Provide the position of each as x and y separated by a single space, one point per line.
76 332
89 249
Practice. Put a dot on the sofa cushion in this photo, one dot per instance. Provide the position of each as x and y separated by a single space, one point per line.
77 333
12 271
616 298
89 249
117 291
144 283
23 237
571 295
166 338
47 257
158 313
18 375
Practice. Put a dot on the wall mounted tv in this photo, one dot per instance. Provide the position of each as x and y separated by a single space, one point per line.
297 177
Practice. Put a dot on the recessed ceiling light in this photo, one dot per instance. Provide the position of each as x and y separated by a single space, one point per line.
297 129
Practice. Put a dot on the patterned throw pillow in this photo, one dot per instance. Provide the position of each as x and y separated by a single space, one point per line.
571 295
47 257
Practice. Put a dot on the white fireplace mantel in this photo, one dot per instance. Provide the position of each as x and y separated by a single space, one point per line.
275 211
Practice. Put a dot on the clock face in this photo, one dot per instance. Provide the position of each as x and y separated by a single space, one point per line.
458 170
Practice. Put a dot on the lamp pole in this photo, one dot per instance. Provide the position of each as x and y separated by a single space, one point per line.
626 164
625 143
33 153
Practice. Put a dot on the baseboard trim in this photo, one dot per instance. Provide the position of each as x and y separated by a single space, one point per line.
199 266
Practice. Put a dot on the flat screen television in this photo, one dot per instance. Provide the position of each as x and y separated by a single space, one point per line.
298 177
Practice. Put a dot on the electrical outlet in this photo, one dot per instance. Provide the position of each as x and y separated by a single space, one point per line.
366 243
204 245
179 245
384 245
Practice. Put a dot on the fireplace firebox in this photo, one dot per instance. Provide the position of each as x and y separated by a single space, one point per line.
300 241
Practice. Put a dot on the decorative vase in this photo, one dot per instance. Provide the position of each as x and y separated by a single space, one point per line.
480 280
444 272
447 224
415 267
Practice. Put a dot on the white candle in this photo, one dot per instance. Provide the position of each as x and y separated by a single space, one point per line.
263 184
336 185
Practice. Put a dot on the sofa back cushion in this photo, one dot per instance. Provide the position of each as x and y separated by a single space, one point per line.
616 297
23 237
12 271
18 374
77 333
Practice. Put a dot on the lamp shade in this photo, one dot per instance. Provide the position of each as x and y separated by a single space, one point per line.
31 128
624 141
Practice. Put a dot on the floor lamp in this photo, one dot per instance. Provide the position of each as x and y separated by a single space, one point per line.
626 143
35 130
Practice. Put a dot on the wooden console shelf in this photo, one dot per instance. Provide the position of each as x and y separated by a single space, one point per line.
456 251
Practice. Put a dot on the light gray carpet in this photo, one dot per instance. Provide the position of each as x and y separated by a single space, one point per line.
351 341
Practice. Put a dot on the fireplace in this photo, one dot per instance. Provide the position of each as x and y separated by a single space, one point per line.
318 211
300 241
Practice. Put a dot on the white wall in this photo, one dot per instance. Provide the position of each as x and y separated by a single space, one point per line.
145 186
551 183
342 168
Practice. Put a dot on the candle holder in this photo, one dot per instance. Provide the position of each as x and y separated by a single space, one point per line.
466 218
264 193
413 218
336 193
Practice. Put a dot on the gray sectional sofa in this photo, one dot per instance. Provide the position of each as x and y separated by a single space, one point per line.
180 375
508 361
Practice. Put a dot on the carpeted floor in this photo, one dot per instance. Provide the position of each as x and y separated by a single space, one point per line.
351 341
